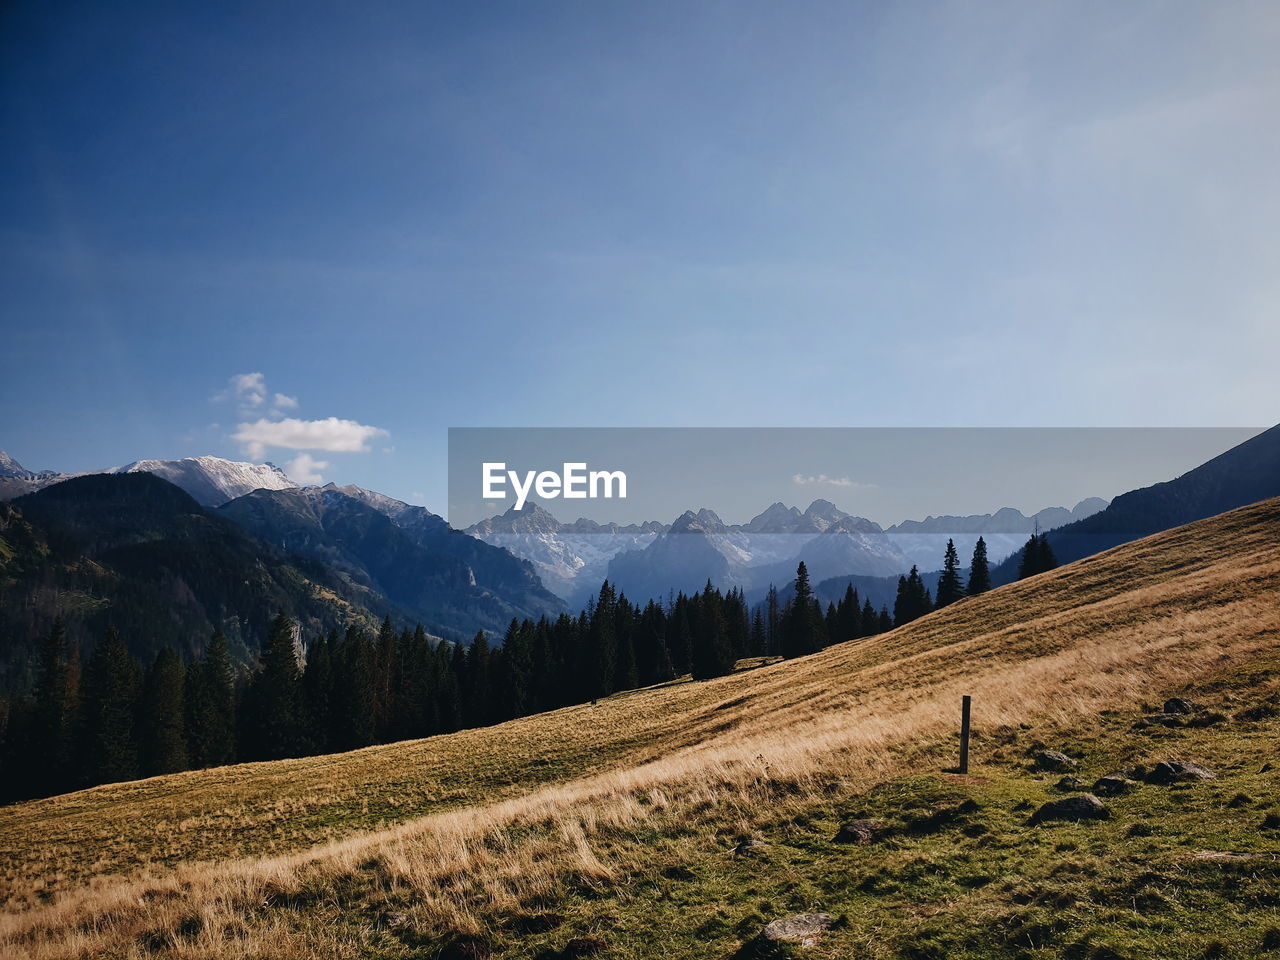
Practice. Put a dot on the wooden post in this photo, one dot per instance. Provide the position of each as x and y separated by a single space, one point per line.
964 733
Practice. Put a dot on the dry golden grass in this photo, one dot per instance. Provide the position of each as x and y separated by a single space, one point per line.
265 859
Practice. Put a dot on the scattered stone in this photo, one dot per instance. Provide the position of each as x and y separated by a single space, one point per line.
394 919
1179 705
1071 783
746 847
1177 771
1053 761
804 929
1114 784
580 947
859 831
1085 806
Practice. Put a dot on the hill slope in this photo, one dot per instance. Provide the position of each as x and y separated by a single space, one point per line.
615 822
1247 473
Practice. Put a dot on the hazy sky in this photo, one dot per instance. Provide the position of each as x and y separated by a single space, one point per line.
406 217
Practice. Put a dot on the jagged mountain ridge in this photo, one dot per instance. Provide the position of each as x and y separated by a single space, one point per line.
573 558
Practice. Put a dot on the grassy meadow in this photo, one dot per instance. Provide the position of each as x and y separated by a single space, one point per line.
611 829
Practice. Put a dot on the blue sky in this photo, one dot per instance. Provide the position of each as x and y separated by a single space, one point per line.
411 217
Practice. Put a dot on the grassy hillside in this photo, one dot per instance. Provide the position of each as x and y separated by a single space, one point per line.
611 829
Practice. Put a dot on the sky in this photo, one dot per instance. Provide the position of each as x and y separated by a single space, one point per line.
323 234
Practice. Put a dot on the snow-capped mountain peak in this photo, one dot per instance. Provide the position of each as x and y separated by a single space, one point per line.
212 481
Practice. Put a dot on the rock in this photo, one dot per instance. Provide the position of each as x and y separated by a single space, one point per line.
859 831
1177 771
1052 761
1085 806
395 918
1179 705
1071 783
748 846
1114 784
804 929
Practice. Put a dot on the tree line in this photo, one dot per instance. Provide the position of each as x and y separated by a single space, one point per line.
108 718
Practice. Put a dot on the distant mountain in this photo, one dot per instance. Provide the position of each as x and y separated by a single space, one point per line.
134 552
570 558
1242 475
213 481
15 479
1005 532
454 583
700 546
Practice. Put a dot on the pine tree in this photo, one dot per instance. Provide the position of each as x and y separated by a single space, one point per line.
979 570
109 752
712 654
51 763
162 712
604 644
1037 556
913 600
276 717
211 707
950 586
802 626
317 693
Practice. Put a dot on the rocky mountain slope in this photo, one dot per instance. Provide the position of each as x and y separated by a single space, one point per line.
454 583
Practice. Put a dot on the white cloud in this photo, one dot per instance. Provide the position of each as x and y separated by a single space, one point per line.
805 480
331 434
305 469
248 391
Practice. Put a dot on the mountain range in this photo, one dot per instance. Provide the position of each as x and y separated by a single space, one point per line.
653 559
165 551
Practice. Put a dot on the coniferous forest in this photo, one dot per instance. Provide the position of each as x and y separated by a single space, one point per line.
101 716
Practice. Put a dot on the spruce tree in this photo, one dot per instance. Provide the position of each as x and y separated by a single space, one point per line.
109 753
162 713
913 600
802 628
870 623
276 719
950 586
712 654
979 570
211 707
51 763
